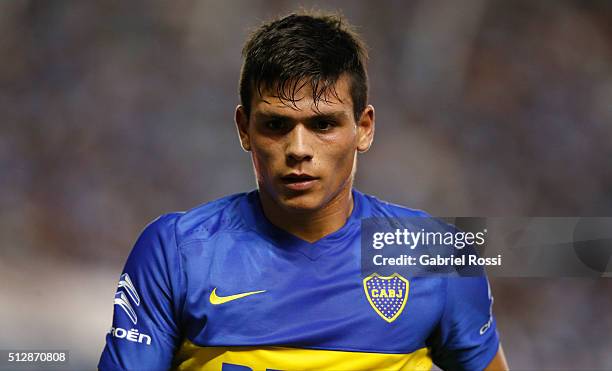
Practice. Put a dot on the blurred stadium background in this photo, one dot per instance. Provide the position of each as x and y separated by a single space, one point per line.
114 112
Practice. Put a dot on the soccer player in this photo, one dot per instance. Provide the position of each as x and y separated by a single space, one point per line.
271 279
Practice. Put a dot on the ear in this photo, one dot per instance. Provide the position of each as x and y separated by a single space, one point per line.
242 124
365 129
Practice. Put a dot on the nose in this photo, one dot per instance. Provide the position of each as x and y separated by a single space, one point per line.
298 144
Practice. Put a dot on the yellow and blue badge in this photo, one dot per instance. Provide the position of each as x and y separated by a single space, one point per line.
387 294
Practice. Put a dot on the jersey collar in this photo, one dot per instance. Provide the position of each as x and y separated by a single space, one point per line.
255 218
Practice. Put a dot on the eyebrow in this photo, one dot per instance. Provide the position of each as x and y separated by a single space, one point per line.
260 116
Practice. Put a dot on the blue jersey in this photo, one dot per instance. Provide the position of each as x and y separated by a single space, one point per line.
221 288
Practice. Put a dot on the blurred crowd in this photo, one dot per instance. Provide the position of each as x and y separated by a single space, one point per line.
114 112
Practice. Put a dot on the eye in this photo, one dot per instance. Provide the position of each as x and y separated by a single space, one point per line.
323 125
275 125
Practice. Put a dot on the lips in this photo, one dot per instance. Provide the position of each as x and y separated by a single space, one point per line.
297 178
299 181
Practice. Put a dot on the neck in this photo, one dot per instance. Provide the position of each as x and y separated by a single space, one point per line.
310 225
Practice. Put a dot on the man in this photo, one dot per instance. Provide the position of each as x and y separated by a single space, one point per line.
271 279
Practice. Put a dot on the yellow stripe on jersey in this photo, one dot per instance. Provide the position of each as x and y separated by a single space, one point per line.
193 357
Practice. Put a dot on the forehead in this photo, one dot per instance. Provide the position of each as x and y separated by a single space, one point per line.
336 100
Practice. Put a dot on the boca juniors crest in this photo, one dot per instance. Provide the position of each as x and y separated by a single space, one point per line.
387 295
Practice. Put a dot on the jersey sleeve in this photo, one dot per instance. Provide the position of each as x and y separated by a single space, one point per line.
145 331
466 337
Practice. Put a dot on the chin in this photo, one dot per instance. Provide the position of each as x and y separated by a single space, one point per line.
306 202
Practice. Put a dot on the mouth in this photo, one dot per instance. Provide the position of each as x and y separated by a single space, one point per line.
299 181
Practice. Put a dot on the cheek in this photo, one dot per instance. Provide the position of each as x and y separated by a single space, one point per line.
341 156
261 162
265 157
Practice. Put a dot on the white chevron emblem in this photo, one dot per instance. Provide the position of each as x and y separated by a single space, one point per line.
126 285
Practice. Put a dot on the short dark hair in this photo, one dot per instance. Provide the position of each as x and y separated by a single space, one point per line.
287 53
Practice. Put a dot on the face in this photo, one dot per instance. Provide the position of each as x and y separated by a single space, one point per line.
305 156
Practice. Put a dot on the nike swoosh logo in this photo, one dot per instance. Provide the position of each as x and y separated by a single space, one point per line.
216 300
